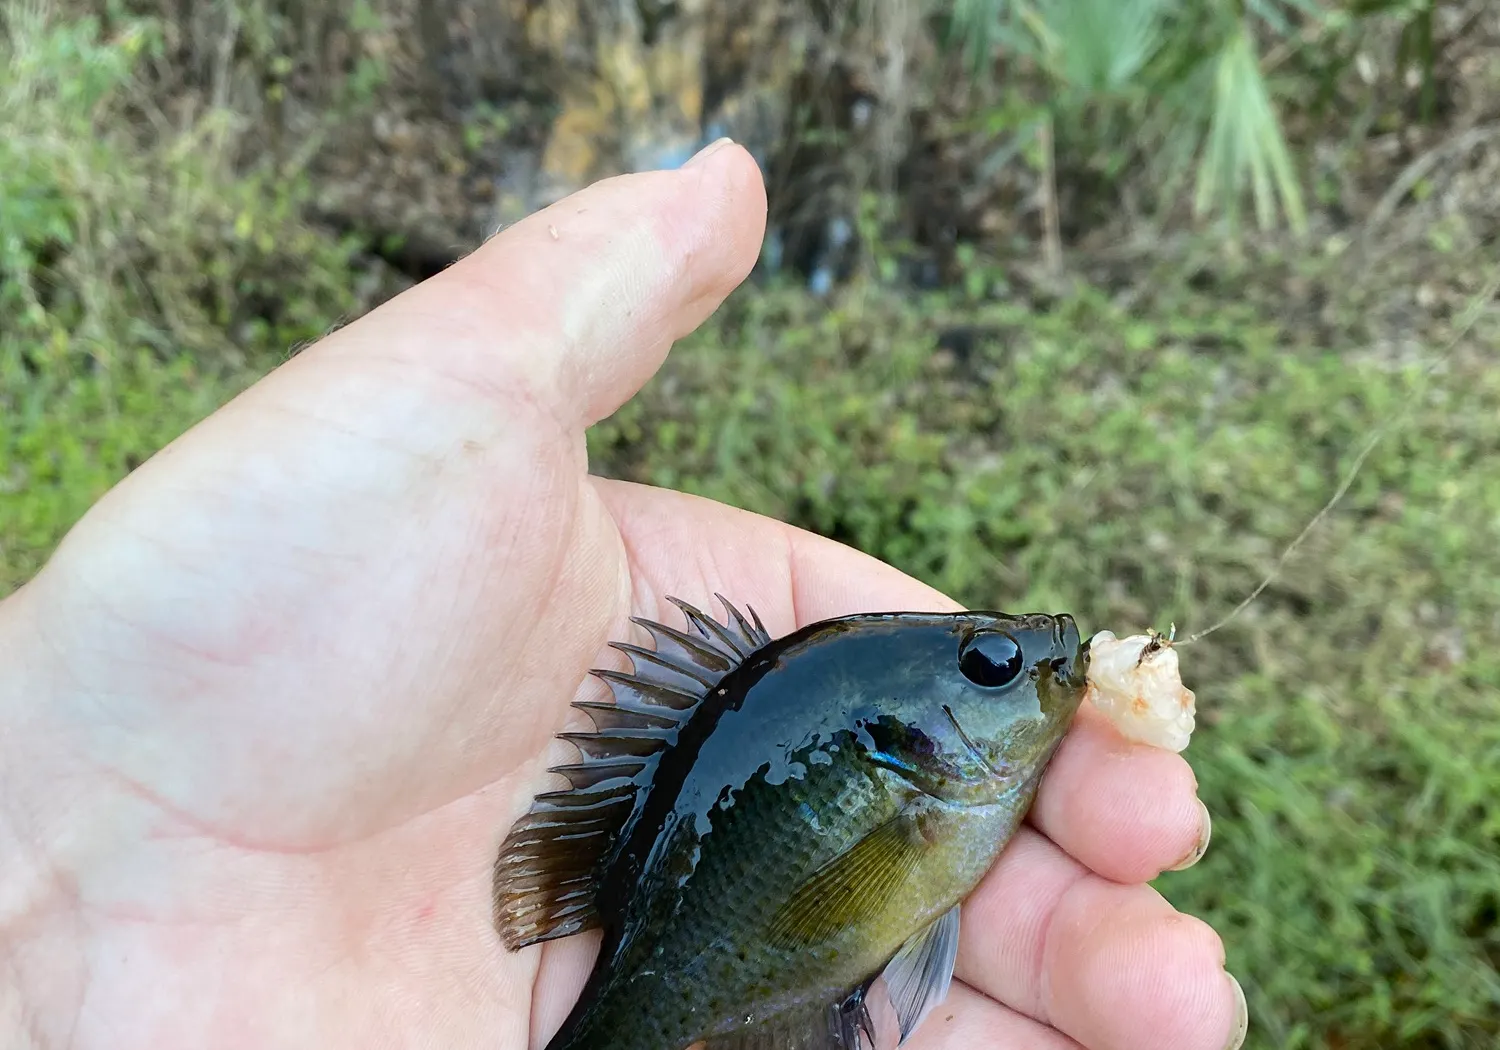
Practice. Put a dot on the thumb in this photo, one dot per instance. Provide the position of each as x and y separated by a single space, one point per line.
273 589
575 307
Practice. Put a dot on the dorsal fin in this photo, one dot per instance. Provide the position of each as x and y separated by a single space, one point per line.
740 638
547 869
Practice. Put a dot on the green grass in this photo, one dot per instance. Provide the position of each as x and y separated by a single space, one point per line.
1137 466
1136 469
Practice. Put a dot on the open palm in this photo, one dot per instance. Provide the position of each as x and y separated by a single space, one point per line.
276 700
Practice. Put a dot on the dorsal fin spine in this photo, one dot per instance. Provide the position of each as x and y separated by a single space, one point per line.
651 693
711 629
690 673
754 635
546 871
710 657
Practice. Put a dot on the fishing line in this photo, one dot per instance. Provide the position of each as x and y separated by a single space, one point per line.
1467 320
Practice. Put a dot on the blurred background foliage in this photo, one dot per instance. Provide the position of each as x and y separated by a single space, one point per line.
1011 332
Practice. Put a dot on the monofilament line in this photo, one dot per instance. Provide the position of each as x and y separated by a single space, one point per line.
1466 323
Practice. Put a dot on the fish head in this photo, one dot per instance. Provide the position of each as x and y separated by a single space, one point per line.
982 699
1019 680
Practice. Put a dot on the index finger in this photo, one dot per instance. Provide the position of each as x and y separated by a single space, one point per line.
1128 811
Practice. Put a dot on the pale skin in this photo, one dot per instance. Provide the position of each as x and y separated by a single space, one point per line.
271 707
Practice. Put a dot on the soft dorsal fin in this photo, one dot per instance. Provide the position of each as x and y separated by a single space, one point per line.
546 871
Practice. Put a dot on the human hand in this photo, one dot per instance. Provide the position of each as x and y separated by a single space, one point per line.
276 700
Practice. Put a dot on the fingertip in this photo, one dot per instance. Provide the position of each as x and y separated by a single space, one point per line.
698 231
1200 842
1150 977
1241 1022
726 237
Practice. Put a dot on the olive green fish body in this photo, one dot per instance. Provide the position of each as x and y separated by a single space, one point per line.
720 965
825 806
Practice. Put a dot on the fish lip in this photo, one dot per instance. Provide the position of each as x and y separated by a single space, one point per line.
1073 650
1065 632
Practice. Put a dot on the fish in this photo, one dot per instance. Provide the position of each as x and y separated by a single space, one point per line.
771 833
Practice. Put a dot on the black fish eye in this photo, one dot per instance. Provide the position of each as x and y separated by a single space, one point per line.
990 659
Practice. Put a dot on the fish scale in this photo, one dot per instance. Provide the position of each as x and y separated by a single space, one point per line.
757 849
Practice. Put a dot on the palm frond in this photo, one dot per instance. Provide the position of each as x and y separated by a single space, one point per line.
1272 14
1245 147
1101 45
1187 74
979 27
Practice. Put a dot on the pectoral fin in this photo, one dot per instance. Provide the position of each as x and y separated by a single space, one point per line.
853 888
918 976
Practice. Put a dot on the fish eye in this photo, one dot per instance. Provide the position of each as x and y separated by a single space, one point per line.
990 659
